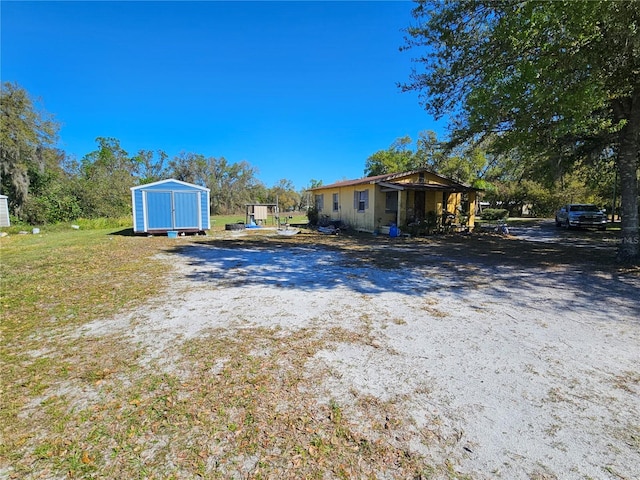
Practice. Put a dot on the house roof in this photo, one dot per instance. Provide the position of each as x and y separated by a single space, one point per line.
387 180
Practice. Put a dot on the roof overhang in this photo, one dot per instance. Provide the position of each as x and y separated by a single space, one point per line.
391 187
424 187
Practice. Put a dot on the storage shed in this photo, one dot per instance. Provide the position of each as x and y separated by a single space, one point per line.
4 211
170 205
258 213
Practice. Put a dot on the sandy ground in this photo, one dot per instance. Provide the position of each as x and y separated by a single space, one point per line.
515 373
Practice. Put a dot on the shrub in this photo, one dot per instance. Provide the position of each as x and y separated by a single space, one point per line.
495 214
313 215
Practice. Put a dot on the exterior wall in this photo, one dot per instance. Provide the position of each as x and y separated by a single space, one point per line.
472 209
427 177
453 201
434 202
380 214
372 217
4 211
346 212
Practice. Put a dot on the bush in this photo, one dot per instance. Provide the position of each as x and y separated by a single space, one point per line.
313 215
495 214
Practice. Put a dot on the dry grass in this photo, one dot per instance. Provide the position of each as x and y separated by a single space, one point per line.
240 404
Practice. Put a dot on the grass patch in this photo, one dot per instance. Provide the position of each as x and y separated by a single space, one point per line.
51 282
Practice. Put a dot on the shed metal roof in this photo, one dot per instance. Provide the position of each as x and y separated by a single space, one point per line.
169 180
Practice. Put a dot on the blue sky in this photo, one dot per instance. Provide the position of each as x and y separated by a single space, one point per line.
300 90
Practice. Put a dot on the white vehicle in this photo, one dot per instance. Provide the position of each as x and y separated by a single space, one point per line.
576 215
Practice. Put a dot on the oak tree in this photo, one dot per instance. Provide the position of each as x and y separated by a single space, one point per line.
557 80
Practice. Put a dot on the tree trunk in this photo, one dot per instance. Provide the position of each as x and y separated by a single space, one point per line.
628 155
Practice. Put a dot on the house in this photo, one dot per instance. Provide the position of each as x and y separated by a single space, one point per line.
4 211
403 199
170 205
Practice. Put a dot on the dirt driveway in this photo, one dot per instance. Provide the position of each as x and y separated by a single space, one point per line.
488 357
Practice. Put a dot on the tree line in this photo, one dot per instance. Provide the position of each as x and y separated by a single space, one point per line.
44 185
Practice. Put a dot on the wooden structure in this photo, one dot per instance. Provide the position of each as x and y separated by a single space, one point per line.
258 214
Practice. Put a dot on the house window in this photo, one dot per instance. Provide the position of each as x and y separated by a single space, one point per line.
421 177
391 202
361 200
319 202
336 204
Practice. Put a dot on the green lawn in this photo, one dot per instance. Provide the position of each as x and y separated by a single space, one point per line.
219 221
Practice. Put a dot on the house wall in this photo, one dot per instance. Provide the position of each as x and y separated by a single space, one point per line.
434 202
380 215
347 212
453 201
473 198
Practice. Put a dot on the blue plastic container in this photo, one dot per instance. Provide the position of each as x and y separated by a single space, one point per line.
172 234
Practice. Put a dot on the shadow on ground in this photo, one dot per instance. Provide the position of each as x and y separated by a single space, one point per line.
515 271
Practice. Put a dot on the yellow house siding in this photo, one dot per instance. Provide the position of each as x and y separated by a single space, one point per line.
428 178
382 217
431 202
347 212
362 220
452 202
472 209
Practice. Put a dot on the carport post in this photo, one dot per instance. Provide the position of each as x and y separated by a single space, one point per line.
613 202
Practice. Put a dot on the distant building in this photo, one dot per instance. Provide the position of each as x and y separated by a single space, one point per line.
4 211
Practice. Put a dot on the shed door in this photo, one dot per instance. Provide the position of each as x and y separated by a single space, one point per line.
186 211
172 210
159 210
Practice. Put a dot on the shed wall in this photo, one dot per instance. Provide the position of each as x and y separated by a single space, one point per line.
4 211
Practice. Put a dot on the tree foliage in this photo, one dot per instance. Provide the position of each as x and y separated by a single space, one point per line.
232 185
466 164
105 178
558 80
26 135
397 158
284 193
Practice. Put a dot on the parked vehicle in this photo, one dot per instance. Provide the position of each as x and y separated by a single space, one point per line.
581 215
